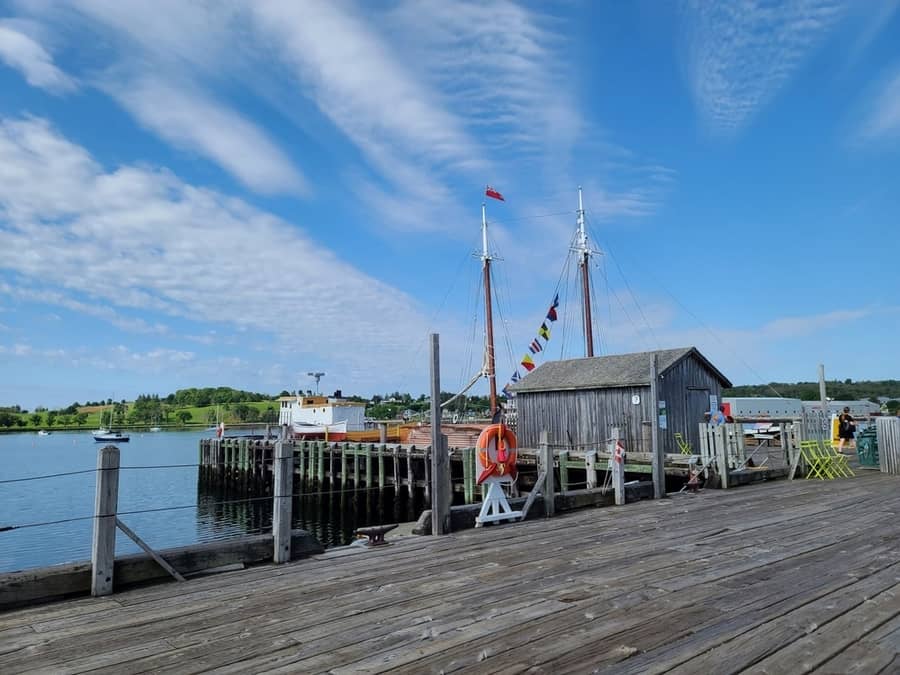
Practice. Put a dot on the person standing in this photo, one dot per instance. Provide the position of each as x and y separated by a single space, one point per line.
718 417
846 429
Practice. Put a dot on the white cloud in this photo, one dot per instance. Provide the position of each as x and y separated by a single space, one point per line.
144 241
26 55
131 324
359 83
191 120
463 98
789 327
883 118
740 54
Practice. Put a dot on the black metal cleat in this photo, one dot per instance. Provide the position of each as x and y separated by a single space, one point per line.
375 533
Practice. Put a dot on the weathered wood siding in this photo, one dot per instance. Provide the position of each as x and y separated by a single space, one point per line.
585 417
686 388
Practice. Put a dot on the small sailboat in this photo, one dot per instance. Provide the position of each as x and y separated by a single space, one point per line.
106 434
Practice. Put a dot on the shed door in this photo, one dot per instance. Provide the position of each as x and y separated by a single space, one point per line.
696 404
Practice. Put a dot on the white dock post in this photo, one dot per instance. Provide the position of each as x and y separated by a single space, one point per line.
284 485
546 454
590 467
103 545
618 469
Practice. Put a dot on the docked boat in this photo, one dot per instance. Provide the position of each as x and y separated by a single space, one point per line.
328 417
312 431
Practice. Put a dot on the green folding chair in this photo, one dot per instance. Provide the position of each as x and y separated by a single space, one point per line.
839 462
817 460
683 445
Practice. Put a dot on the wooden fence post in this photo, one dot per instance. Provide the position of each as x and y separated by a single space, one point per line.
284 484
590 468
546 454
441 493
657 457
721 439
103 545
618 470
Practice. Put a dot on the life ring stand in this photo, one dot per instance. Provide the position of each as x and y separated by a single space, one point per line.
505 443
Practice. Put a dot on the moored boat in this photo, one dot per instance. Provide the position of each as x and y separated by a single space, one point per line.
110 436
310 431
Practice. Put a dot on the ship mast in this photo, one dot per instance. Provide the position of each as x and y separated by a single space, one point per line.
488 314
585 253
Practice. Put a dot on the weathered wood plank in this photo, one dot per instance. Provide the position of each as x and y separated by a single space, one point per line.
733 579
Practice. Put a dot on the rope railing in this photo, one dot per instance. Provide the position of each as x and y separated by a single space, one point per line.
204 505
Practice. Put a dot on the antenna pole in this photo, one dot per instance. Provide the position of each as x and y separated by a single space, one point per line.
488 313
585 280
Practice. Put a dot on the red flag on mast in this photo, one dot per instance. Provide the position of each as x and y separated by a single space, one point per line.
491 192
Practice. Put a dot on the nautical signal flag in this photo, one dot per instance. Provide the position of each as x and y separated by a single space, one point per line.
551 314
516 377
505 390
527 363
493 194
535 346
544 332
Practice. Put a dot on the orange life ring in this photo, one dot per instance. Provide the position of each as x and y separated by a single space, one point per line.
505 443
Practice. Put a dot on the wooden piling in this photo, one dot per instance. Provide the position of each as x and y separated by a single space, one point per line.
281 517
106 500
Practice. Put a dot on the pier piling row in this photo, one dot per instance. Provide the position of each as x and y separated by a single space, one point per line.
245 465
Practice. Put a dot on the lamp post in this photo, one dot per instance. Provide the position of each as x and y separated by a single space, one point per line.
318 377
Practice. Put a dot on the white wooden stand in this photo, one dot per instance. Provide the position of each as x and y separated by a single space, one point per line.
495 508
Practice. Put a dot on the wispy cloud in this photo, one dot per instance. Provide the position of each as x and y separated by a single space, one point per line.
130 324
883 116
791 327
20 51
740 54
59 204
191 120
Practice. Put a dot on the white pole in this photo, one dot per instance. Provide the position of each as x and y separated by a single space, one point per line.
484 242
582 235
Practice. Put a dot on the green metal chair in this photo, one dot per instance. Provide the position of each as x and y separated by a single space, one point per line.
683 445
839 462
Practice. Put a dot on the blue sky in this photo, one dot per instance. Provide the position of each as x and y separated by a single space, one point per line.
204 194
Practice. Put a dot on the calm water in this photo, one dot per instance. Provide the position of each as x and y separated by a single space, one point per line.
200 516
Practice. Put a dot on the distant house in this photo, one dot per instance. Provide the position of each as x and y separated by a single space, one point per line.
579 401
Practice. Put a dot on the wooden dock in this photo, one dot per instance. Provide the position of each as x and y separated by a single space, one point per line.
781 577
240 465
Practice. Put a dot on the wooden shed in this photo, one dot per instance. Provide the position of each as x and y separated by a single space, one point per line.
579 401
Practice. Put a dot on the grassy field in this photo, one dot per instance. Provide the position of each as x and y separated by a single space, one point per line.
200 417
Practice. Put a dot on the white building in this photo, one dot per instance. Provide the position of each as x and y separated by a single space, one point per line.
322 410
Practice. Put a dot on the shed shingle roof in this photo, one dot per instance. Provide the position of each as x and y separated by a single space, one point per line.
619 370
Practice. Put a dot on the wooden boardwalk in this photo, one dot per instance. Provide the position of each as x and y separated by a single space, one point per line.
782 577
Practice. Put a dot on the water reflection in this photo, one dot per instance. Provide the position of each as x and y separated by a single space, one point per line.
330 514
